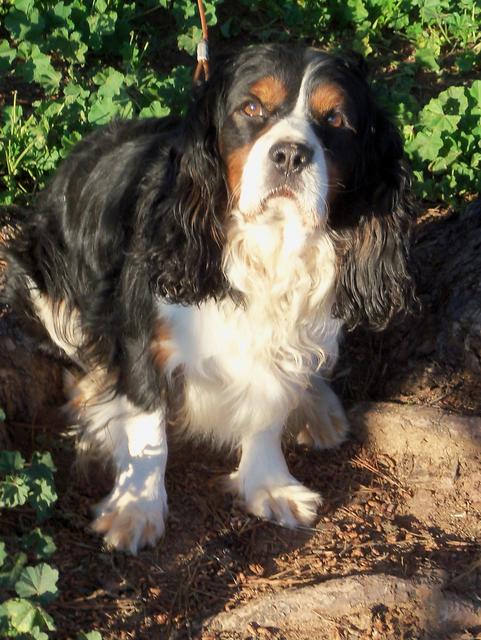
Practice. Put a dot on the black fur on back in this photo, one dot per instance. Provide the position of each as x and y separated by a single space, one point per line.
135 210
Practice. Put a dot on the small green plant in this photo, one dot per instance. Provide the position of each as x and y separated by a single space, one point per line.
31 586
445 146
90 64
27 581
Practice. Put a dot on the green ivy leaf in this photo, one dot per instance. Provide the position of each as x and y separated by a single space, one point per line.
186 9
476 159
21 614
475 92
109 81
25 21
454 100
38 582
91 635
68 142
42 465
63 12
189 40
25 6
210 12
74 93
2 417
155 110
5 626
432 10
101 24
3 552
428 58
425 145
26 617
433 117
102 111
358 11
14 491
11 461
69 44
38 68
39 543
7 56
444 161
15 567
42 496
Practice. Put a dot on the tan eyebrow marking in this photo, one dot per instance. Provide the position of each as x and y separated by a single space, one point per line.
325 98
271 92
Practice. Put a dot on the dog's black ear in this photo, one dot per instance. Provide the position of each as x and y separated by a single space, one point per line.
374 275
356 62
190 220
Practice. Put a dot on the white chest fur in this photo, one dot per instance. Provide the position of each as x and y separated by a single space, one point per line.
247 365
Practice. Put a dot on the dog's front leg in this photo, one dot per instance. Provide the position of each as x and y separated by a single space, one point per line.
133 514
265 484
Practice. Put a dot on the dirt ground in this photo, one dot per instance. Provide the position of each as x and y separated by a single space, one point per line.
215 558
395 554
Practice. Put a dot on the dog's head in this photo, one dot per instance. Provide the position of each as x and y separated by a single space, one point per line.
300 126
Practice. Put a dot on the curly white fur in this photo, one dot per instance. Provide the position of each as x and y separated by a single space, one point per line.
248 366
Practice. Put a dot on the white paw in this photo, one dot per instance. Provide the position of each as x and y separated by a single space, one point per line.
128 524
290 504
326 425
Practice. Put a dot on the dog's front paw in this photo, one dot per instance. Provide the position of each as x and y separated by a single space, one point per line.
290 504
326 425
128 524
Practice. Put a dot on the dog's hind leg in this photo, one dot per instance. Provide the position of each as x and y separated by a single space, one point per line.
320 421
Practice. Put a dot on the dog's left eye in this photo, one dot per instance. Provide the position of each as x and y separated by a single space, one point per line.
253 109
335 119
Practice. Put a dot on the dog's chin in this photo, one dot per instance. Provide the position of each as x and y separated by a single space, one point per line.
287 205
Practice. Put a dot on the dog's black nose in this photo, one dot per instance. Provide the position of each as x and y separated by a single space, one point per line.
290 157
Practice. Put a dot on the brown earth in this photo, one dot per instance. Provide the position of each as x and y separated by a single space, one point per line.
395 554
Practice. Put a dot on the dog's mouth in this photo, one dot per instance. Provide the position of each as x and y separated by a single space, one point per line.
278 192
270 202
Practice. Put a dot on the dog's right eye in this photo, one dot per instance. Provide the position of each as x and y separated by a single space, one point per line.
253 109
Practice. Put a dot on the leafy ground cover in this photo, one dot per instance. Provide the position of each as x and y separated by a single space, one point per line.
71 65
27 581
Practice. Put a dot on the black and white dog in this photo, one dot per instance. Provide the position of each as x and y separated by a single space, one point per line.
200 270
